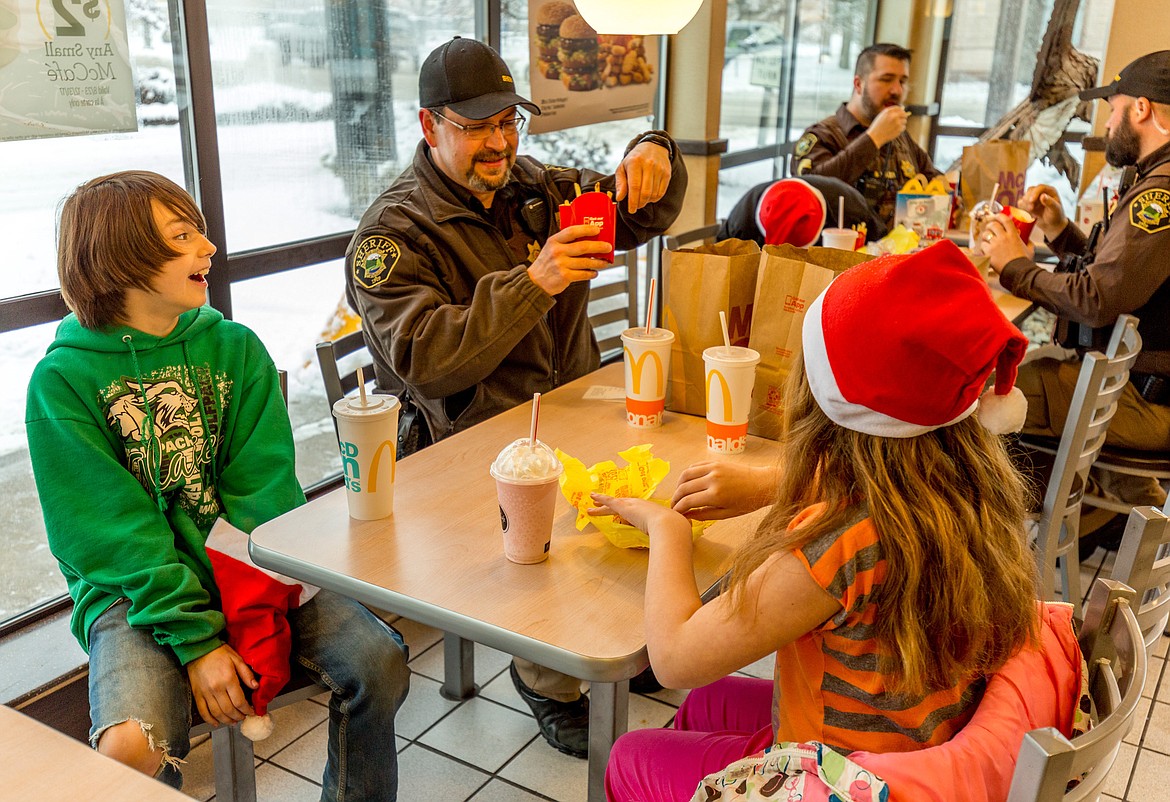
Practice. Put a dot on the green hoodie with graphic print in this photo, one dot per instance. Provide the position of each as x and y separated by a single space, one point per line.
138 444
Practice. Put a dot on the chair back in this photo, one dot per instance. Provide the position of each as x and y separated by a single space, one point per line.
695 235
1099 386
339 361
1111 641
613 304
1143 563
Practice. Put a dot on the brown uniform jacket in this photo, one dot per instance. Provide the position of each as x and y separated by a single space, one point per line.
448 311
838 146
1128 272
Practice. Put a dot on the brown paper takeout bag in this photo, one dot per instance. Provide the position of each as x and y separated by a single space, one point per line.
788 281
699 283
986 164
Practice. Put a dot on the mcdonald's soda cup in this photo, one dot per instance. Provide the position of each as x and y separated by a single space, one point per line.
647 364
367 437
731 375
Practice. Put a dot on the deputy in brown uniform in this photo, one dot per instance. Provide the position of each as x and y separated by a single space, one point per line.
471 296
1124 271
865 143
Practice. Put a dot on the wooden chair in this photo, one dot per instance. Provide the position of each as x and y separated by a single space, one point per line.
1143 563
332 356
1112 644
696 235
1094 402
613 304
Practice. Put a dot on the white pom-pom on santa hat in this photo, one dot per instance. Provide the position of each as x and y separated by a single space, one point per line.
902 345
1002 414
257 728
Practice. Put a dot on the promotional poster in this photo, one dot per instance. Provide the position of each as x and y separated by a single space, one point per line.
64 69
579 77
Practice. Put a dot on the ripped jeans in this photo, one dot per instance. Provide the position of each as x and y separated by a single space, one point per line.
335 639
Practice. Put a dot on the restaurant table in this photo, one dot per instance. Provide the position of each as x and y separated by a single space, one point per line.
439 558
39 763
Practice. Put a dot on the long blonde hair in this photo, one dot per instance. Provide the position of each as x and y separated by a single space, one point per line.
959 594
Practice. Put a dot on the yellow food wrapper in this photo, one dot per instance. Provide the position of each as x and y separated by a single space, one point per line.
900 240
637 479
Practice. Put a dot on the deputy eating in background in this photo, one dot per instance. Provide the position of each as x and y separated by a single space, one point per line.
865 144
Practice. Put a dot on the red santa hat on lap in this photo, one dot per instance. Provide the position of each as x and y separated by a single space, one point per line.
902 345
791 211
255 606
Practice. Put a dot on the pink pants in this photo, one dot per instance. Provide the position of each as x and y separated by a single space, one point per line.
717 725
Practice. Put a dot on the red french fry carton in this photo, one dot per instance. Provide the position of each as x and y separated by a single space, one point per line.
1024 222
592 208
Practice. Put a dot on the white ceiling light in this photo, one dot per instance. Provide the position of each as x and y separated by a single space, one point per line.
638 16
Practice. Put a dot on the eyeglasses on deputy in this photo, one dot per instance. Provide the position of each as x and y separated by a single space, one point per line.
509 127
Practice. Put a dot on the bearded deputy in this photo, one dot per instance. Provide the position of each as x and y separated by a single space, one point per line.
471 299
1121 267
865 143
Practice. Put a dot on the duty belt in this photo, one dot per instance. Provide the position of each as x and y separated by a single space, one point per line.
1152 387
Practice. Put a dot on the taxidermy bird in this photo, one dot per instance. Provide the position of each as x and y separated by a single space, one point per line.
1061 72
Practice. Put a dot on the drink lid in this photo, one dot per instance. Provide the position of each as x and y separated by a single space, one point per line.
524 464
639 333
733 353
376 406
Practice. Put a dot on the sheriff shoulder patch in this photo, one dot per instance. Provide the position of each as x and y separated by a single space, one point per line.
374 259
804 145
1150 211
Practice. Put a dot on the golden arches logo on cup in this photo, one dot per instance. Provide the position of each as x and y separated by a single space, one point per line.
647 360
367 436
731 376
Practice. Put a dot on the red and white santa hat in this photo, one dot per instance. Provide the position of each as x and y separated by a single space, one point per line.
902 345
791 211
255 603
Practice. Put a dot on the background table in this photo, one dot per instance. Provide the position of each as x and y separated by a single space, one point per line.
439 559
39 763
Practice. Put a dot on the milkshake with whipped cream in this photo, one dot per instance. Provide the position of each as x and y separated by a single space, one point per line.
526 475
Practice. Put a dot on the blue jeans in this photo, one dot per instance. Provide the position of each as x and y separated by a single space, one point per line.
338 641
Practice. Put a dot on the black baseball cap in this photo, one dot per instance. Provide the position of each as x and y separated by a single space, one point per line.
1148 77
470 78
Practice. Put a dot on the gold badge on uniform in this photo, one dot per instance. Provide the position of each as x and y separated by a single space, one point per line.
1150 211
804 145
533 251
908 169
373 260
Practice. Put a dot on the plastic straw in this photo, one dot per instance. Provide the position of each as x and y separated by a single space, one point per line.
535 415
995 194
723 325
650 306
362 386
841 212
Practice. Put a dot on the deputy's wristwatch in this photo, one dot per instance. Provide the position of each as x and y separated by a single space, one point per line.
657 139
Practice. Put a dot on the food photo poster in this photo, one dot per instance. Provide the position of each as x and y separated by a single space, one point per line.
580 77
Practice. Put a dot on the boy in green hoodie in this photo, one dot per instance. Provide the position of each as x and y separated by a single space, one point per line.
149 418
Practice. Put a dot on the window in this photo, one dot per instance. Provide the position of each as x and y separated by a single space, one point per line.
992 55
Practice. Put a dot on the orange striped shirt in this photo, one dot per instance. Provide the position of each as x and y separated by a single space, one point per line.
827 687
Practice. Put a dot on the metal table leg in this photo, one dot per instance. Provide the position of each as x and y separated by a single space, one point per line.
458 668
609 713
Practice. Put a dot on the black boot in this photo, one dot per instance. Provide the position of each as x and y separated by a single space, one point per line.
565 725
645 682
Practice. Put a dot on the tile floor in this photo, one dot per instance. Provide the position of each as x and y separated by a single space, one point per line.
487 749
